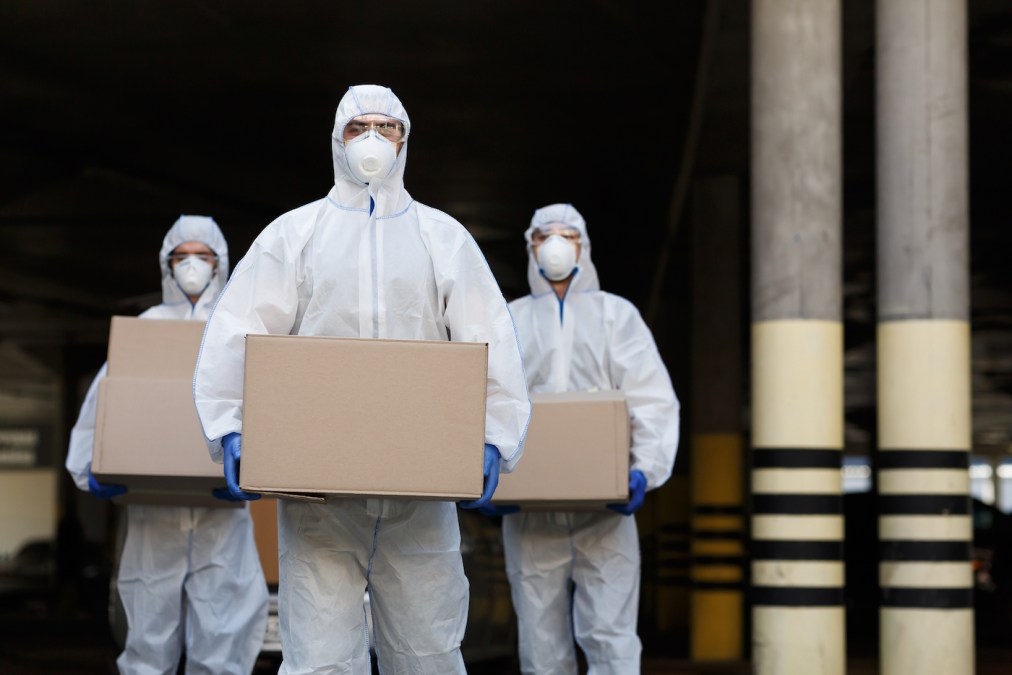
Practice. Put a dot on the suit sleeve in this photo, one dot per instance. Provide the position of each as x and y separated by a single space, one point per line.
638 371
261 297
82 436
474 310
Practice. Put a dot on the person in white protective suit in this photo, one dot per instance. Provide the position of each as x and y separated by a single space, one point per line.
579 573
188 577
366 261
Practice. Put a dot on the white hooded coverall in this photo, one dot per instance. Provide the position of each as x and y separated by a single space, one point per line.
580 572
187 576
366 261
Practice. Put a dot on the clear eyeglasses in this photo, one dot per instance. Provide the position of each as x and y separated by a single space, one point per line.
175 258
388 127
540 236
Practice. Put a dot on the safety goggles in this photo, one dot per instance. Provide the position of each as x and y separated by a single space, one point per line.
209 258
540 236
387 127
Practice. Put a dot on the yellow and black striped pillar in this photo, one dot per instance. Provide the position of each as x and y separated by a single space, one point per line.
797 589
797 521
717 447
925 513
669 574
717 551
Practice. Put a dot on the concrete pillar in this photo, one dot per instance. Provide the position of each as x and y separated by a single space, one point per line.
925 516
797 339
717 462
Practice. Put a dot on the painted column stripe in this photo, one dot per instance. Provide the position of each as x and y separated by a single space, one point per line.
925 575
717 523
799 504
924 384
945 653
718 510
813 528
728 535
718 560
796 550
797 527
796 458
900 458
718 520
925 551
924 505
814 641
719 547
723 574
924 481
789 596
797 573
721 586
928 598
925 528
797 384
804 481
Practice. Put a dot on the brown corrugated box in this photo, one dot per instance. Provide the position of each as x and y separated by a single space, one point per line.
264 513
147 435
327 416
576 454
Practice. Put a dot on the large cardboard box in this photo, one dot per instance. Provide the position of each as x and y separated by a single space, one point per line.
329 416
147 435
576 454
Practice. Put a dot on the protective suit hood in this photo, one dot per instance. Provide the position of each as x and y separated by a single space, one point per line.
585 278
193 228
388 194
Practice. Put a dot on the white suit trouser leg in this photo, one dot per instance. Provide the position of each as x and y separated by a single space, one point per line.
202 562
407 552
574 576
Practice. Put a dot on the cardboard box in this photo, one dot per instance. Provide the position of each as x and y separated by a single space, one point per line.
264 513
327 416
147 435
576 455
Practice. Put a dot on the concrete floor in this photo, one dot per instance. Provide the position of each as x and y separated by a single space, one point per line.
37 645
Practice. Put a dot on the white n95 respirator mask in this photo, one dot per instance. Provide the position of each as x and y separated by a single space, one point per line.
556 258
193 275
370 156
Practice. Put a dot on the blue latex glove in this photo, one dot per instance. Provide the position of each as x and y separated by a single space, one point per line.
495 510
232 446
637 489
104 490
224 495
490 469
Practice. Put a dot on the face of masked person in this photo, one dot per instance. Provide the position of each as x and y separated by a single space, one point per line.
557 257
193 265
193 274
371 145
370 157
